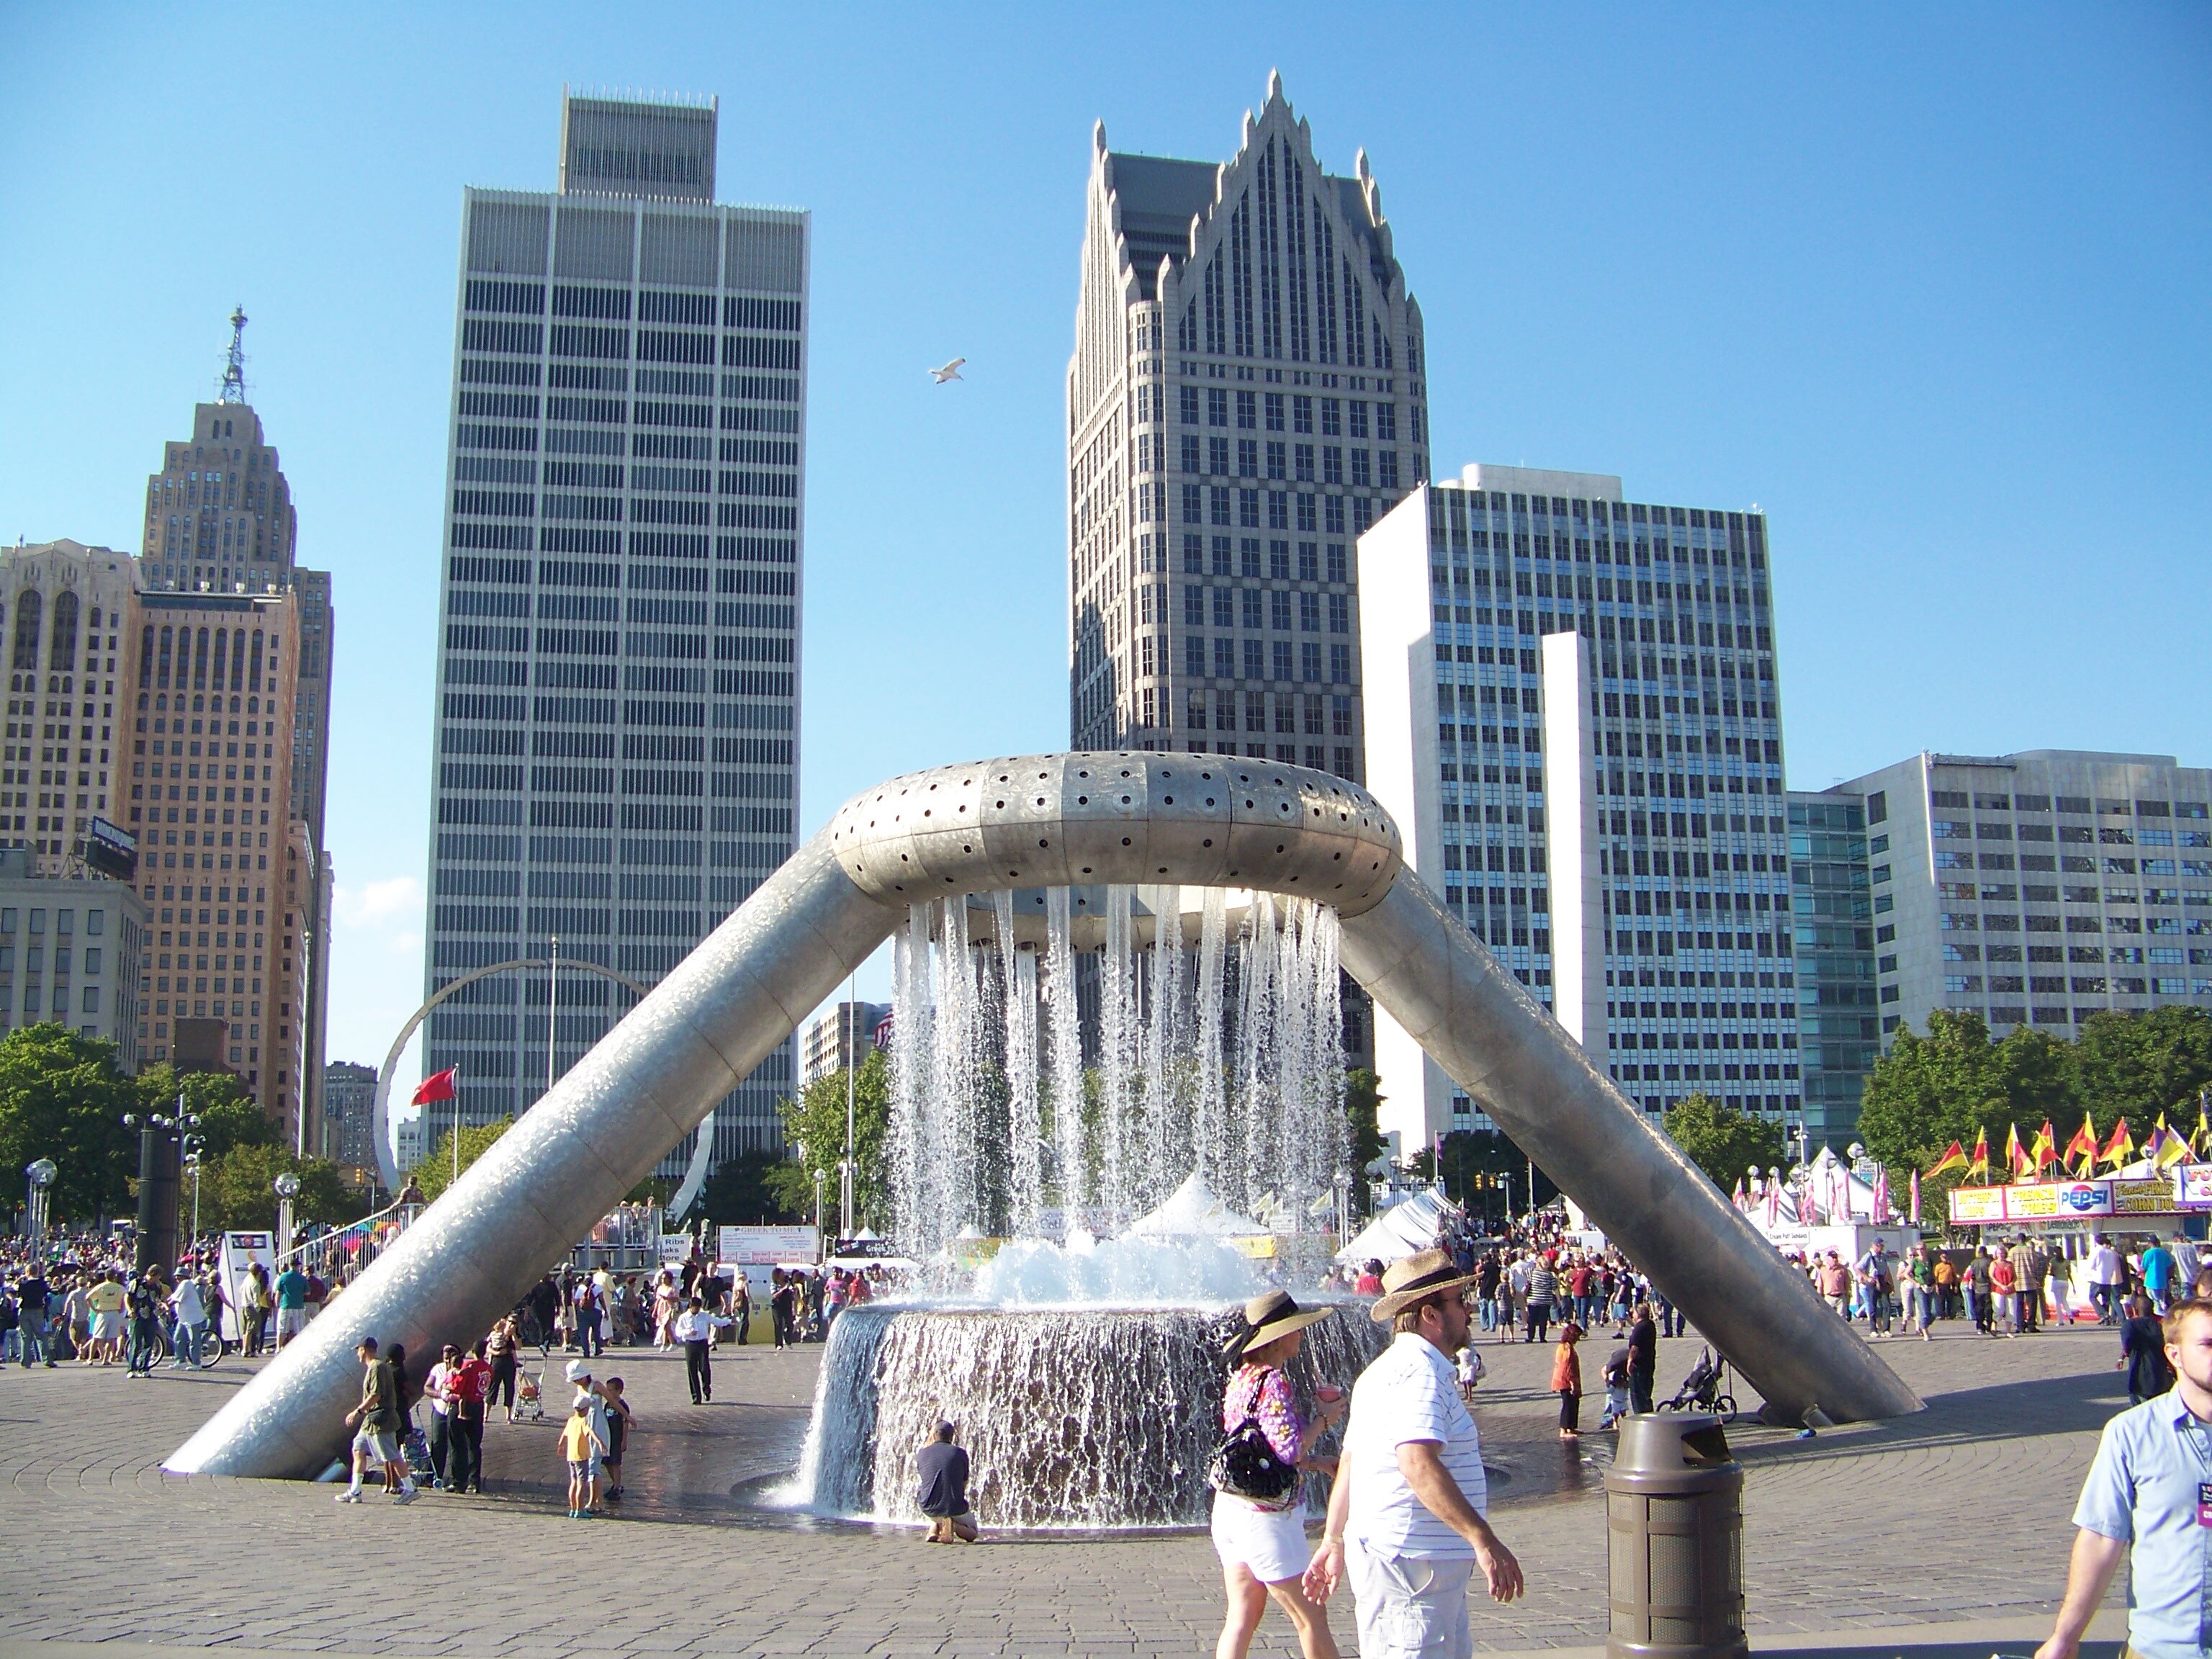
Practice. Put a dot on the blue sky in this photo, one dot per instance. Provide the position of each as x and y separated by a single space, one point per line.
1927 284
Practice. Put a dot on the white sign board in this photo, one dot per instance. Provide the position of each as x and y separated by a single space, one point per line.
240 1252
675 1247
767 1246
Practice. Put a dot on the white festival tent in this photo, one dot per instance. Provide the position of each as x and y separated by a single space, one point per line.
1408 1226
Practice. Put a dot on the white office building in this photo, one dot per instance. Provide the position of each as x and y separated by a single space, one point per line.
616 736
1574 716
2037 888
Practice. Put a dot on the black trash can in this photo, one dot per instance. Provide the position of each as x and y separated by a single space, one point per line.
1673 1505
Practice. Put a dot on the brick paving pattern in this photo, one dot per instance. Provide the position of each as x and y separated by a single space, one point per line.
1959 1514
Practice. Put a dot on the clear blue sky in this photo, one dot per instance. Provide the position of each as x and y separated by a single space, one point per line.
1927 283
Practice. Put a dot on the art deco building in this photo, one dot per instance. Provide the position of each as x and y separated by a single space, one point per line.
617 730
1246 397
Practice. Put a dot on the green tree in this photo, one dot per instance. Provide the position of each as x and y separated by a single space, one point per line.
238 1190
1363 1102
741 1193
436 1172
62 1097
1927 1091
1721 1141
814 1129
2138 1065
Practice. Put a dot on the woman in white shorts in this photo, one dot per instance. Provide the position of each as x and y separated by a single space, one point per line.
1263 1547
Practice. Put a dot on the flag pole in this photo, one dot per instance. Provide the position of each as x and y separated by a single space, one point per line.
457 1121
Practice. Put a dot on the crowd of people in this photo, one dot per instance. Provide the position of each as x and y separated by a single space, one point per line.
2000 1287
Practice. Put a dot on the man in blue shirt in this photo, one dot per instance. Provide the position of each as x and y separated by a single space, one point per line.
2158 1274
2149 1492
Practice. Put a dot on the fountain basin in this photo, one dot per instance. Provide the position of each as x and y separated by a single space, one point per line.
1075 1418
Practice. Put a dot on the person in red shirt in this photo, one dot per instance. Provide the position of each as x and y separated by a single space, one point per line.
468 1389
1370 1282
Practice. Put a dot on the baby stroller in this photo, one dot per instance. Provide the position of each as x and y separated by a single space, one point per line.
530 1396
1705 1389
415 1447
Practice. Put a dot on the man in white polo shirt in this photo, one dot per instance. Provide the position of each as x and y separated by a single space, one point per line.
1407 1511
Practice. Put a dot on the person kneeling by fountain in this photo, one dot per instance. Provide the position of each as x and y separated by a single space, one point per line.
1259 1509
944 1469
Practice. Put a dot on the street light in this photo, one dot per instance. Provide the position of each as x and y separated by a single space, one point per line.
820 1176
288 1188
41 1172
193 1163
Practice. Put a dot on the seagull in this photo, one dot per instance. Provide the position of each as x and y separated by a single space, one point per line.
950 372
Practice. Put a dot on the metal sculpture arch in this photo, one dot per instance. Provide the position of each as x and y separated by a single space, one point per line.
1046 820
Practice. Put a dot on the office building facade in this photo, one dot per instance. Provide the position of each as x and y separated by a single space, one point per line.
69 613
348 1100
616 736
70 952
1831 909
227 873
1247 395
221 520
1574 717
2036 889
847 1028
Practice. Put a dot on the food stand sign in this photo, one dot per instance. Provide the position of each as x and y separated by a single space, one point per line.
1975 1206
2195 1190
2143 1197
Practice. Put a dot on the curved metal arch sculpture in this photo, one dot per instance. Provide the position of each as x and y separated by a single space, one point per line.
379 1118
1030 821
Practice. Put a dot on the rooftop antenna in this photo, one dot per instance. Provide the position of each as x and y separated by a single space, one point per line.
234 366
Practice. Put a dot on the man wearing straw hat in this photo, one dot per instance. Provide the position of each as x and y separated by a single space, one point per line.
1406 1512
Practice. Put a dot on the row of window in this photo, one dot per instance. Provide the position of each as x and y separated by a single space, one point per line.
1259 659
1339 418
1253 608
654 305
1218 505
1291 462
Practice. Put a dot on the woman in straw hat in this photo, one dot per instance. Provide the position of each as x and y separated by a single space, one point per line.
1263 1547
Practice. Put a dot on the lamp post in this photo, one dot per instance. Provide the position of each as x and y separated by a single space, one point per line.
288 1188
40 1173
820 1177
156 1238
852 1085
193 1163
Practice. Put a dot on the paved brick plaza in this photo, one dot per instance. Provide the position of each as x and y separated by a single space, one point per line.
1953 1516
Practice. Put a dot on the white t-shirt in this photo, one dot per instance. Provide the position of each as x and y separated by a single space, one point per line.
1410 1392
2104 1265
434 1390
186 1299
1516 1276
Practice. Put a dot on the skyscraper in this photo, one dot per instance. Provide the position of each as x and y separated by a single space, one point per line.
1575 722
617 734
1246 397
220 520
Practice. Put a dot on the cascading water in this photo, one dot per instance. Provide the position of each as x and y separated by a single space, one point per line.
1086 1218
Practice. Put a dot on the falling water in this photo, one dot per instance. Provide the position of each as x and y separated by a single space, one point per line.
1075 1188
1226 1060
1071 1419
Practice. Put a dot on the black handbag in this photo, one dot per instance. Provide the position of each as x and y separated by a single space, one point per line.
1245 1465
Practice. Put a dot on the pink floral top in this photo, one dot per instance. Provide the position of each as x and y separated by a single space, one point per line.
1264 1393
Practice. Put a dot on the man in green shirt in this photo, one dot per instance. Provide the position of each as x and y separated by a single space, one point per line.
375 1423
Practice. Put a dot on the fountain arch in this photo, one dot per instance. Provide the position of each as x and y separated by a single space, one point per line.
1039 821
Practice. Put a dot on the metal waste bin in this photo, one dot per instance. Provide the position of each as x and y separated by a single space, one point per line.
1674 1505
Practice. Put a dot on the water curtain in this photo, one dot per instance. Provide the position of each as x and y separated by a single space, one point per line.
1040 1089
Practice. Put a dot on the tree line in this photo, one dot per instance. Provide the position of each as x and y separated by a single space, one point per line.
64 1097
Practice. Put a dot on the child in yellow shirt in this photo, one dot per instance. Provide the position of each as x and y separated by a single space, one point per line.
579 1444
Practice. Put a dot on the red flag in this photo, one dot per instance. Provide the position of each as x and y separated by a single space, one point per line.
438 1086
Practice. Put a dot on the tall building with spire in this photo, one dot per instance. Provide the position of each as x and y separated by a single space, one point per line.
219 563
1247 396
616 736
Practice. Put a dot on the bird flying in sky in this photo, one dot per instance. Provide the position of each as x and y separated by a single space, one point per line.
950 372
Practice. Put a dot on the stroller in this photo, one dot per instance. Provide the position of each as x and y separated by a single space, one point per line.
415 1447
530 1396
1705 1389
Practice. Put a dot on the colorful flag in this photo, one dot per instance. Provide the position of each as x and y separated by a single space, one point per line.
1979 1164
2201 1142
1774 1201
2172 1148
1915 1217
438 1086
2120 1148
1741 1202
1881 1195
2044 1151
2082 1151
2017 1165
1807 1215
1954 1160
